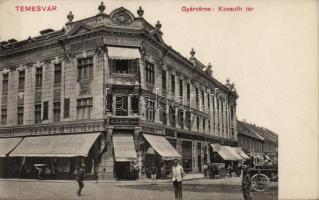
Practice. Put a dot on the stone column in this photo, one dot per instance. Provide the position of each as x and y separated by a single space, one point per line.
195 157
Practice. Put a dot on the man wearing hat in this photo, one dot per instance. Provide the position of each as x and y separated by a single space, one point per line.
80 178
246 183
177 177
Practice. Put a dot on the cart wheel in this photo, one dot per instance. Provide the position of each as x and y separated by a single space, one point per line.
259 182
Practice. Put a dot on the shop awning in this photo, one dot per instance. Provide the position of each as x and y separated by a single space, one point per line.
223 152
234 152
123 53
7 145
124 148
162 146
242 153
55 145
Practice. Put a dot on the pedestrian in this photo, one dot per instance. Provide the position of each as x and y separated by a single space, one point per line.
153 172
246 183
177 178
80 178
229 168
205 169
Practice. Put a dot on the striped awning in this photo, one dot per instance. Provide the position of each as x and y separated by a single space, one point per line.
7 145
123 53
124 148
71 145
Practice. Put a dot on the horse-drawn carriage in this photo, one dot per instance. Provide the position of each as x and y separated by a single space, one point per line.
262 175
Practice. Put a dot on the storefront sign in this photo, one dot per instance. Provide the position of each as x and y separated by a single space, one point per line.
124 121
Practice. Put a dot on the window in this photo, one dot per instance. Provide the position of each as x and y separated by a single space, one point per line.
66 113
181 117
150 111
149 69
57 73
3 116
188 120
197 97
173 83
208 101
56 111
124 66
20 115
38 77
121 106
172 114
204 125
203 99
109 102
209 128
37 113
181 88
21 80
197 122
188 92
85 68
45 110
5 83
163 80
163 114
84 108
135 103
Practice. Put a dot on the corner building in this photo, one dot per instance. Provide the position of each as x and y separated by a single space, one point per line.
110 86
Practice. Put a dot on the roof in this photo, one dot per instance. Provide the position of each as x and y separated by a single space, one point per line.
245 129
266 134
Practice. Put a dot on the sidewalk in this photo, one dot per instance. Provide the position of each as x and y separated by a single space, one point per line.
116 182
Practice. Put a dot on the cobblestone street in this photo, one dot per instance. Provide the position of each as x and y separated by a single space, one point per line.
223 189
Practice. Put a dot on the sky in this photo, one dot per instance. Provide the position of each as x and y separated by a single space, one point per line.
270 53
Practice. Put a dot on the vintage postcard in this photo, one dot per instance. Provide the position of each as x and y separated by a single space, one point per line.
184 99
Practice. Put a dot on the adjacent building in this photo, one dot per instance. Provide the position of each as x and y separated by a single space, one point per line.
107 91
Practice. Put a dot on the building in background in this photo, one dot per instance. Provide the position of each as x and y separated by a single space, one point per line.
109 92
257 141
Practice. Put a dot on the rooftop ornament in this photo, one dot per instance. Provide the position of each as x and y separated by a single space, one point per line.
158 25
192 52
140 12
101 7
70 17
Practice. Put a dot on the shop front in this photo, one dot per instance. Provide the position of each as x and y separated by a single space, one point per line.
54 156
159 152
125 157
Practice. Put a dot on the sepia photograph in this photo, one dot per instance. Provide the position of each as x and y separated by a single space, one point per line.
193 100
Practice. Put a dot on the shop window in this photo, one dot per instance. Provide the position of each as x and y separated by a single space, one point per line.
3 116
121 106
5 83
173 84
56 111
38 77
84 108
85 68
20 115
57 73
149 69
45 110
135 103
37 113
187 155
163 80
150 111
21 80
66 113
124 66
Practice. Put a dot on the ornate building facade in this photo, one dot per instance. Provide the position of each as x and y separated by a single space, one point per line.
110 77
